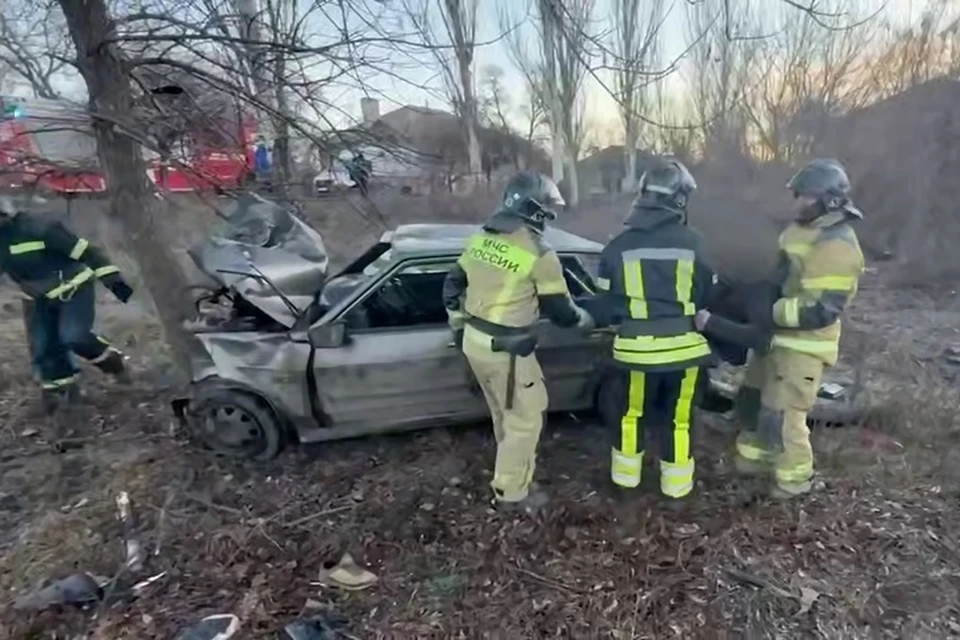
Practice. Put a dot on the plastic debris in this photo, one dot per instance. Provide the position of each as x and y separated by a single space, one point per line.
134 553
831 391
219 626
316 627
78 590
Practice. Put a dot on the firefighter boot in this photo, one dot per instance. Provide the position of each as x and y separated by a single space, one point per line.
533 505
111 363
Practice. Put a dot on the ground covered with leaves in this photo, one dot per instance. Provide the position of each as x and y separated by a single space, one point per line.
873 553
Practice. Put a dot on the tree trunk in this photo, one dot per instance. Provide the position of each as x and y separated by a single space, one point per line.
573 182
272 95
121 159
281 144
630 159
470 114
550 87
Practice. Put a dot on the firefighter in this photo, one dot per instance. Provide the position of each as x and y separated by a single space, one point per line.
820 266
505 278
652 281
56 269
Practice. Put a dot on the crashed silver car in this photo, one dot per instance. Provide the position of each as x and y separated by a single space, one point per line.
289 354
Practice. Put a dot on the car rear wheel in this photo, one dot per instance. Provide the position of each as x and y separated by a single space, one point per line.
236 424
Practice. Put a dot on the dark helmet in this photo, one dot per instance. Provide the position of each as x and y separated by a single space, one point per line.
531 197
667 183
824 180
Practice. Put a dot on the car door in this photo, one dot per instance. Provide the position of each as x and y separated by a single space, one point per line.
573 360
390 377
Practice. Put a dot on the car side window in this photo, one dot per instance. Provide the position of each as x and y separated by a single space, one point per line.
579 272
410 297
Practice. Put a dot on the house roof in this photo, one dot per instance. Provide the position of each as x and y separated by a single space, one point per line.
434 134
412 239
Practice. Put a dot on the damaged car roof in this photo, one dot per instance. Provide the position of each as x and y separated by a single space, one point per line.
442 238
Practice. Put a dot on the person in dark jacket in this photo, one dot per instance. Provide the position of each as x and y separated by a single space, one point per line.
653 279
57 269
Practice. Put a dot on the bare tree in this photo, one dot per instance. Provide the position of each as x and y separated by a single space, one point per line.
721 71
454 54
33 46
494 100
913 54
636 43
115 51
808 75
573 39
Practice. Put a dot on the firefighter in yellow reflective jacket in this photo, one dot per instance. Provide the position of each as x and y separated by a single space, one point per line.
56 270
820 266
505 278
654 279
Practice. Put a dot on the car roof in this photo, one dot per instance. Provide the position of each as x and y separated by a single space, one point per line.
411 239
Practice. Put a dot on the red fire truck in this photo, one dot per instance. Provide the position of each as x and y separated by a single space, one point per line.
50 144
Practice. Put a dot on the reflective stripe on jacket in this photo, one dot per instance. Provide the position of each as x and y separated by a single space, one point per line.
507 276
654 280
46 259
823 267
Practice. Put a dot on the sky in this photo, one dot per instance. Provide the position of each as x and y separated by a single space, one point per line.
416 82
600 105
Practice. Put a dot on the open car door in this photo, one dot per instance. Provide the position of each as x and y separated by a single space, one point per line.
572 360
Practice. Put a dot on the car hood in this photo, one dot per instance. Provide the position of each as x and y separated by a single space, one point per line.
259 238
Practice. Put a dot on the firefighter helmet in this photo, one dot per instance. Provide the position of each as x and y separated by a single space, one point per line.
667 183
824 180
532 197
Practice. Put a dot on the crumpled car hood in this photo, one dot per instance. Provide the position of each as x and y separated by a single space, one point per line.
258 237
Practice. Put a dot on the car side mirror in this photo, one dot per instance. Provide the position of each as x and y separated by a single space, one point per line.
328 336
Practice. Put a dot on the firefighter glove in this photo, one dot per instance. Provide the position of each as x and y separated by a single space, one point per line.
118 286
585 321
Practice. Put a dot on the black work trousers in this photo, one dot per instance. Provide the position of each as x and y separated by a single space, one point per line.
59 328
635 402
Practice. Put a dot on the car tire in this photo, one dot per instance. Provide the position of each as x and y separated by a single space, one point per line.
236 424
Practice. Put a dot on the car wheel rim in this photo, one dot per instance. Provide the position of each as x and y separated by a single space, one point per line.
233 430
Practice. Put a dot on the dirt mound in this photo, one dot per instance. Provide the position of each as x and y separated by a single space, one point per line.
903 155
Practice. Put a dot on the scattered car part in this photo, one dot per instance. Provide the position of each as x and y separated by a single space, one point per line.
347 575
220 626
325 626
133 550
79 589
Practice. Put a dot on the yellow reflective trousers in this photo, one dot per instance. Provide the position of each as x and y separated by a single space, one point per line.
516 428
636 402
778 391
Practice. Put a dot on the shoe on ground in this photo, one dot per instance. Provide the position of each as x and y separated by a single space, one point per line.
534 504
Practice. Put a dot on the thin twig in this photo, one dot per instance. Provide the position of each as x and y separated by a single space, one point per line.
318 514
758 581
213 505
547 581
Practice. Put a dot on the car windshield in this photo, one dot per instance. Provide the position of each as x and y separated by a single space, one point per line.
378 265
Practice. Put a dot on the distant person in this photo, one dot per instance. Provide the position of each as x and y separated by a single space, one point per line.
56 270
360 169
262 166
652 281
506 277
820 266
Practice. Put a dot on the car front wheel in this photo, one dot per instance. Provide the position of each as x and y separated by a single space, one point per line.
236 424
